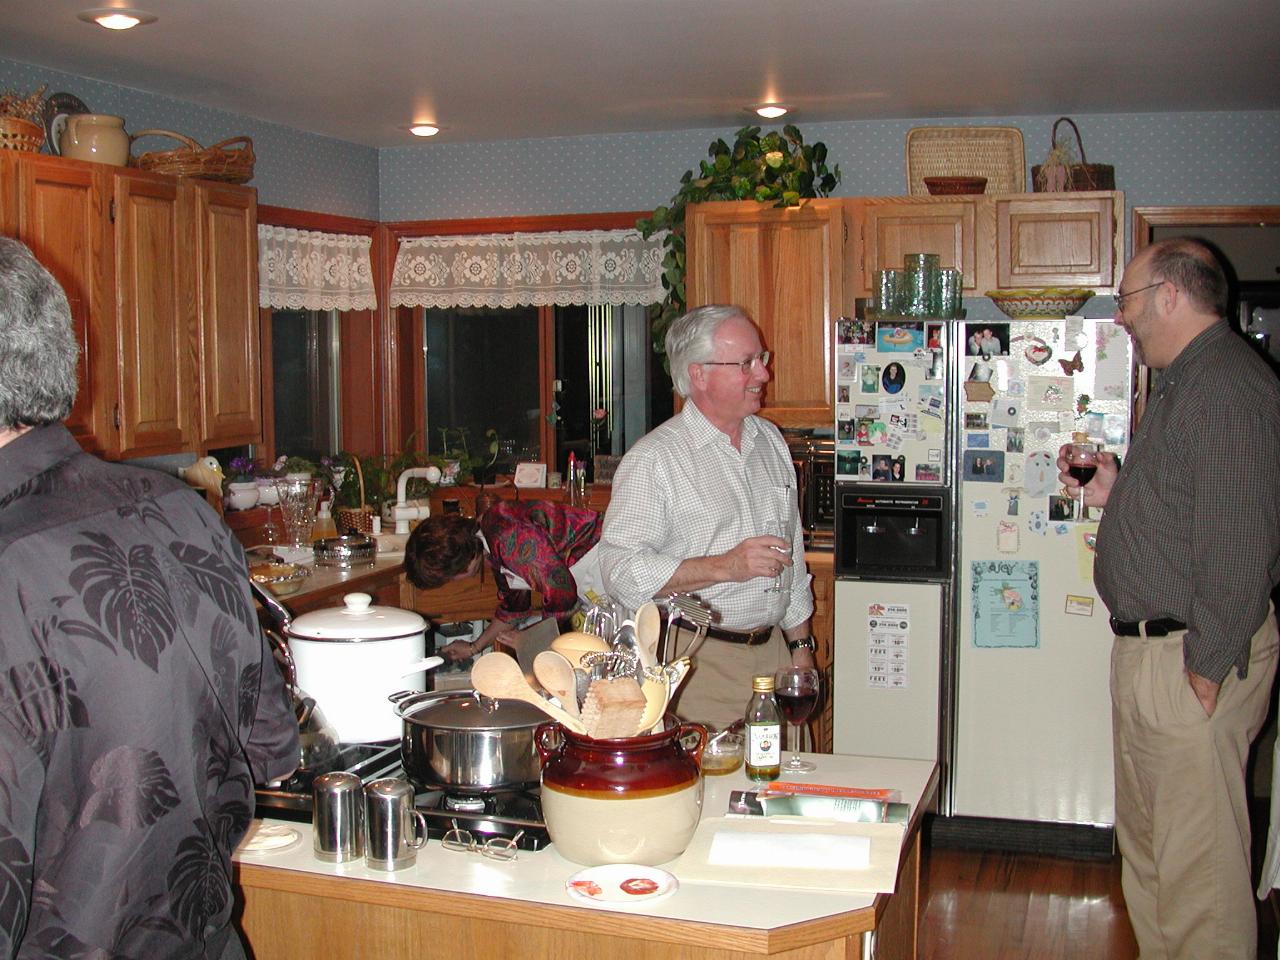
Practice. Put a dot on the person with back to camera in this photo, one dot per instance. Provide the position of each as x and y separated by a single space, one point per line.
530 545
1187 557
139 702
687 509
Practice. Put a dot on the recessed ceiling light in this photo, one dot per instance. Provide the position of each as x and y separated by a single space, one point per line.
772 111
423 129
117 18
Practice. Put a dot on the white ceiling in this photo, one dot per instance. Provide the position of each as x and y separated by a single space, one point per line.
510 69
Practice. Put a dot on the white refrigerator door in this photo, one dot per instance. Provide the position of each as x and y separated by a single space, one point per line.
1033 708
887 663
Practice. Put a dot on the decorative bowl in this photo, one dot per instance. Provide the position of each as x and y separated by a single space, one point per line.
723 755
1050 303
281 579
949 186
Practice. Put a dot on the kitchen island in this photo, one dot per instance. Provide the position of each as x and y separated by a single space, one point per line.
464 906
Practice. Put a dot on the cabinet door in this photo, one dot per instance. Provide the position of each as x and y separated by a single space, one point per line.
158 388
889 229
8 194
1069 239
784 267
62 216
227 277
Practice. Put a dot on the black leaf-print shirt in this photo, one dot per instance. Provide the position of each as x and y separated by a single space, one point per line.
138 706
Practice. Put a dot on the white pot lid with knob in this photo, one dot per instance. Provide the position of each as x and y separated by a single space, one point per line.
358 619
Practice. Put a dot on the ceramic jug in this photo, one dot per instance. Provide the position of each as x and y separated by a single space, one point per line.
632 800
92 136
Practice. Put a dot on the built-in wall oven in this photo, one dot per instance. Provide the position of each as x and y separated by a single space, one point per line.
898 533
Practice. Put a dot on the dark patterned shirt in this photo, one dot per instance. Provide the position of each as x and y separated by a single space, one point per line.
138 705
1192 526
538 541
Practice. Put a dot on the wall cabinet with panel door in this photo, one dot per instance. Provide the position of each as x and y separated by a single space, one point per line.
152 272
1059 240
888 228
785 267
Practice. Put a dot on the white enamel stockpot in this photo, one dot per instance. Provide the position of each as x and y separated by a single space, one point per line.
350 659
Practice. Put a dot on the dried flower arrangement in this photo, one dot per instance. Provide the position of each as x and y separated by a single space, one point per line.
30 107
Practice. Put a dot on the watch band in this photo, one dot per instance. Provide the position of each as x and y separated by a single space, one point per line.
804 643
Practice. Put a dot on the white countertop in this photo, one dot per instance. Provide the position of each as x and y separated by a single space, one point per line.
539 876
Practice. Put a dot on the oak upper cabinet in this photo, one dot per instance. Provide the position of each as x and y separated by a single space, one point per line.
226 247
153 282
61 211
784 266
889 228
1054 240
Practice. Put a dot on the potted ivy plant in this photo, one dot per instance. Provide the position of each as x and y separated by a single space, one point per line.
296 468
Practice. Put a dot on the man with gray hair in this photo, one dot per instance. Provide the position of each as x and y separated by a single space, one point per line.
138 700
698 505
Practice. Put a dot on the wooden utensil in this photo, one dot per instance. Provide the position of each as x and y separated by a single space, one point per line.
613 708
656 694
648 631
557 677
498 676
572 646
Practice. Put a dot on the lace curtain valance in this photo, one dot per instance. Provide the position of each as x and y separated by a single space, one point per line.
307 270
591 267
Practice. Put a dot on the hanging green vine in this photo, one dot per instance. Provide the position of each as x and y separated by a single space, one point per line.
777 167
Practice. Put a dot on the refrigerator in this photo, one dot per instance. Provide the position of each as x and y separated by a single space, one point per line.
994 662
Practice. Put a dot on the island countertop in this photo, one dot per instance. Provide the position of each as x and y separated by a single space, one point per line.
291 896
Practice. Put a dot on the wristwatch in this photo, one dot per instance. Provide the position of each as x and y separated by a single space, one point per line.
804 643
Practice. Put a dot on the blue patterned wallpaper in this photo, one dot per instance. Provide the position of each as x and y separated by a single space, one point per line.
293 168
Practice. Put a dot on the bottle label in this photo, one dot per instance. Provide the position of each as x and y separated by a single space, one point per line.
764 744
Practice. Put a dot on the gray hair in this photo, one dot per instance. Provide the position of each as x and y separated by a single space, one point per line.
38 349
690 340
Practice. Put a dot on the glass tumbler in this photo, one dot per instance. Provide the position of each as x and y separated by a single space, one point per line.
298 501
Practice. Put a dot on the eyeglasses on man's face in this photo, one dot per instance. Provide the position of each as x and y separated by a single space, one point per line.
460 840
763 358
1122 297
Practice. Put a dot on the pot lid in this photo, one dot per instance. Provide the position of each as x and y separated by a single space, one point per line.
358 619
463 710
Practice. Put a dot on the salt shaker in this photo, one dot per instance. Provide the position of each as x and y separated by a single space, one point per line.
395 830
338 815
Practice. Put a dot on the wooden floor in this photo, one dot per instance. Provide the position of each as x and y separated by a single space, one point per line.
1003 906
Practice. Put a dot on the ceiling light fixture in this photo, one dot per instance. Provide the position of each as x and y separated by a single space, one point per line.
423 129
772 111
117 18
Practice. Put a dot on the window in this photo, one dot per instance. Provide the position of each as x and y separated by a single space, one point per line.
305 382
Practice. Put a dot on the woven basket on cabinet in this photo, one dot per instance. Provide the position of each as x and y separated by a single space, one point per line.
19 134
996 153
222 161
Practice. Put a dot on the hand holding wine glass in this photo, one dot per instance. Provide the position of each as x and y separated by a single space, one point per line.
796 689
1082 464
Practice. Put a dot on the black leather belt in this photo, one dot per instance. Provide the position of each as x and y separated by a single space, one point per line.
752 638
1146 628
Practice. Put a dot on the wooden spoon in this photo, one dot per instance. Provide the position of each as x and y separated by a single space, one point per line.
572 646
557 677
648 630
499 676
656 693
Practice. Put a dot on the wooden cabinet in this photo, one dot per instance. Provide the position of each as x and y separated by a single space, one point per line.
888 228
161 278
785 268
227 253
1068 239
822 568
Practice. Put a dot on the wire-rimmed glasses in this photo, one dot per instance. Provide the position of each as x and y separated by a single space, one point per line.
763 357
1122 297
461 840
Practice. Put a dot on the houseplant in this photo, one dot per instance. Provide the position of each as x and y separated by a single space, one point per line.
241 486
776 167
299 467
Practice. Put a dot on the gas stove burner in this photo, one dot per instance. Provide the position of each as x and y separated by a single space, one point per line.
464 804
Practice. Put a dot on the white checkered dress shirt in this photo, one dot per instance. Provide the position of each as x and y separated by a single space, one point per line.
684 491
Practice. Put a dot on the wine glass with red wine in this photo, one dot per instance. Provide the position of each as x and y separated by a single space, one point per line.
1082 464
796 689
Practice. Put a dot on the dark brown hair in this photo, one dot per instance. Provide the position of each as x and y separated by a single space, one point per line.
439 549
1192 268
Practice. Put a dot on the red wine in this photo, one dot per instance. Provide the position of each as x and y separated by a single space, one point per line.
796 707
1082 472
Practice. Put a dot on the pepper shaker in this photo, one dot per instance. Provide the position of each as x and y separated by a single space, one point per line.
394 830
338 815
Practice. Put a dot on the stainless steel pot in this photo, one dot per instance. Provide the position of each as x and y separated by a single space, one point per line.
456 740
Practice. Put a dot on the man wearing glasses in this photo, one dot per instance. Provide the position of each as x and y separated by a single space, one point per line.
1188 553
689 509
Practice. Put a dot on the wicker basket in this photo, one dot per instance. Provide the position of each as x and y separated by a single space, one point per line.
358 519
1080 176
222 161
19 134
992 152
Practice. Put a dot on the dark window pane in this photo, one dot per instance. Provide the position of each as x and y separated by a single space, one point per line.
304 362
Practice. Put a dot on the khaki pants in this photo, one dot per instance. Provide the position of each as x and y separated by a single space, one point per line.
719 686
1182 817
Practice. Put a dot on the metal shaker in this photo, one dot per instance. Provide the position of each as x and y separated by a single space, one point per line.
338 818
394 829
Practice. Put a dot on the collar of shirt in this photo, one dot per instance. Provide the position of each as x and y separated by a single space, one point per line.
31 454
1167 377
703 433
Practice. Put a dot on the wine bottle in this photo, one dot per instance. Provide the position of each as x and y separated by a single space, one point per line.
764 732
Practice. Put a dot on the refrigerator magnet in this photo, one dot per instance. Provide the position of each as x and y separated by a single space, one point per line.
869 377
1078 606
978 391
1007 536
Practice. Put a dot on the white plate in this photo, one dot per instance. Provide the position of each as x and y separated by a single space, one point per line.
607 886
272 838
